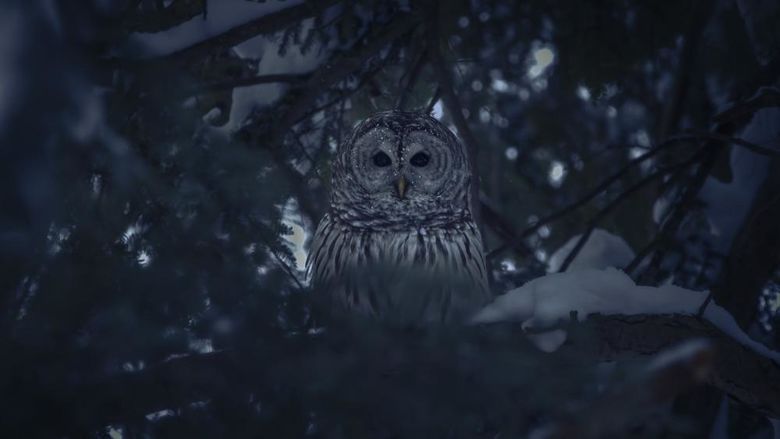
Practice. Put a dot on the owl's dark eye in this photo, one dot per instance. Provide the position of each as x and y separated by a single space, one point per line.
381 159
420 159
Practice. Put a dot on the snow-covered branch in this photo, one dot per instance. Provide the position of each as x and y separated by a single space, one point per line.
739 371
232 24
620 408
629 319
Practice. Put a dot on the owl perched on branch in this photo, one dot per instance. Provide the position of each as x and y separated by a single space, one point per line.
399 242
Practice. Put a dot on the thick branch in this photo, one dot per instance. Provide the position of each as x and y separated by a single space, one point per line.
624 406
738 371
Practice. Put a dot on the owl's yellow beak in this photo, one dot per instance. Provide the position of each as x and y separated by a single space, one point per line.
401 185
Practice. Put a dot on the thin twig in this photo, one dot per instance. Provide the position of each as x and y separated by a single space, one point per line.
287 269
593 193
434 99
333 72
504 229
718 137
686 202
619 200
652 245
343 95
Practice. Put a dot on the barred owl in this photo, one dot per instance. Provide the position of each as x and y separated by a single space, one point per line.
399 242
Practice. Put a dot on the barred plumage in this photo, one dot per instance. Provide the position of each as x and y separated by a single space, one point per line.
399 241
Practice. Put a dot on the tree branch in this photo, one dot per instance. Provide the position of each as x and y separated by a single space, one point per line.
333 72
623 407
606 210
738 371
267 24
505 230
718 137
434 99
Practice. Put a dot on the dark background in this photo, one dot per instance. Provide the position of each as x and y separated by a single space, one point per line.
164 162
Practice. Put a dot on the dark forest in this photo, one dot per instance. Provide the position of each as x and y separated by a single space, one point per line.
165 165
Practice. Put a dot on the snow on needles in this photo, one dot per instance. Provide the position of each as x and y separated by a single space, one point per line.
549 300
222 16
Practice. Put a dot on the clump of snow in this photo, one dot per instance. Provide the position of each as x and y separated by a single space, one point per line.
292 218
222 16
601 250
546 302
266 49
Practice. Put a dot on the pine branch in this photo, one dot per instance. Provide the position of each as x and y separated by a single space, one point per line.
741 373
335 71
267 24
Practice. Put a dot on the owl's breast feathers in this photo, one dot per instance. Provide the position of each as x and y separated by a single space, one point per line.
419 275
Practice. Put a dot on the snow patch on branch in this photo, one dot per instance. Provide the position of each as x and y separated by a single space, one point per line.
548 301
271 61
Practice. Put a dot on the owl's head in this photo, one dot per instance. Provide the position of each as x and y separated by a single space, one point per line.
401 169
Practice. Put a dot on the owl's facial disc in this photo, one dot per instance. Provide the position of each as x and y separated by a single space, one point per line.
415 167
402 170
426 164
375 156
